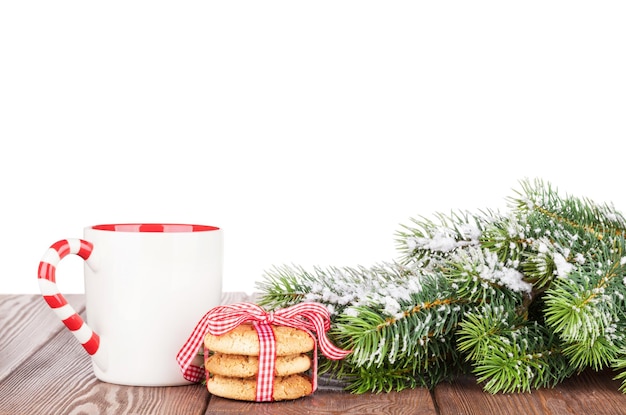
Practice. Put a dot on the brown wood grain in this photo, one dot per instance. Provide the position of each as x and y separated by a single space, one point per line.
414 402
588 393
44 370
26 323
58 379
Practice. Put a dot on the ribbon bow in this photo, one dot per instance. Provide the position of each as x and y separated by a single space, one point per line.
311 317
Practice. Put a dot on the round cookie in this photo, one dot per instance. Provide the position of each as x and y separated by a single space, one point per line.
241 366
244 340
285 387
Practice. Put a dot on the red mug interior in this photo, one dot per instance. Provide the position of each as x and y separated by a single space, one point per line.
154 227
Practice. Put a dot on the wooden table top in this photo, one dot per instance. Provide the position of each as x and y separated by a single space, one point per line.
44 370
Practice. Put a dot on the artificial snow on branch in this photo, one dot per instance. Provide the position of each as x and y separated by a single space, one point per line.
522 299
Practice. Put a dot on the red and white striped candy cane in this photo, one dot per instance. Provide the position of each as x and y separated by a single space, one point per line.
48 286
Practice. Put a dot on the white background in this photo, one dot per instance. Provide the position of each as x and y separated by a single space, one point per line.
308 131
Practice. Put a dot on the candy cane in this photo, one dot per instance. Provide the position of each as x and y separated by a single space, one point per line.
47 284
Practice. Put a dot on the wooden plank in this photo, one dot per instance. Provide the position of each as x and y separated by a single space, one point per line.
55 375
26 324
46 370
588 393
58 378
414 402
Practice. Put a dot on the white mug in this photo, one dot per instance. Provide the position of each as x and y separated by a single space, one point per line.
146 287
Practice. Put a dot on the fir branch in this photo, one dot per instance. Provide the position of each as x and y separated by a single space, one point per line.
510 354
477 275
479 327
619 365
596 353
544 261
336 287
582 216
514 369
284 286
507 238
581 307
394 378
376 337
425 241
525 299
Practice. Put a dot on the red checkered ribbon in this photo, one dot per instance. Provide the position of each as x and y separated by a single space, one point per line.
267 361
311 317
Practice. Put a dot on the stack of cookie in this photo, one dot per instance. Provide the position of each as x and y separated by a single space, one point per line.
233 365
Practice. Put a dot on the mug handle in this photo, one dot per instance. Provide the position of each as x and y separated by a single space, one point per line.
48 286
